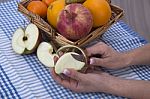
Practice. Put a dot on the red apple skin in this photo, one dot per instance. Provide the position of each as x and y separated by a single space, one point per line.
74 22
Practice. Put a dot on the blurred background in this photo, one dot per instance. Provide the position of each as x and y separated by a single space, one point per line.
137 15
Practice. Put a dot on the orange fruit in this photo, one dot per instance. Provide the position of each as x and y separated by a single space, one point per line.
100 10
54 10
48 2
38 7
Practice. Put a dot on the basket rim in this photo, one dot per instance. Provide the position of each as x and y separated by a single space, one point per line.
54 34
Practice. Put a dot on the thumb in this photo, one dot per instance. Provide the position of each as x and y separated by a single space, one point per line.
73 74
97 61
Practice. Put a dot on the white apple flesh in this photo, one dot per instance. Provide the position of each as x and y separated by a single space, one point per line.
25 42
67 61
44 54
32 35
18 44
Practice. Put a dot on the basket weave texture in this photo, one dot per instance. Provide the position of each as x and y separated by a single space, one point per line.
57 38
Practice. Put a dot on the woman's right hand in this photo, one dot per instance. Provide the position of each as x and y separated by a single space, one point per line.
103 55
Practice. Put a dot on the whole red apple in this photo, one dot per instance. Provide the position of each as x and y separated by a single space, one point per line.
74 22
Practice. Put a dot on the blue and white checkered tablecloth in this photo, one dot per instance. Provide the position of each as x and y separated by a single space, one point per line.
24 77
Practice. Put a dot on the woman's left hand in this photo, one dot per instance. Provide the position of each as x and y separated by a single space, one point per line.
94 81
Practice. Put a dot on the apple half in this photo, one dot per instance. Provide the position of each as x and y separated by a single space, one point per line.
44 54
25 42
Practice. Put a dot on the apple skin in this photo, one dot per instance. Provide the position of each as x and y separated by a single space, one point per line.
74 22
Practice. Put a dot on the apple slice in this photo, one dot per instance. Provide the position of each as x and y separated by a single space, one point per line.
44 54
68 61
25 42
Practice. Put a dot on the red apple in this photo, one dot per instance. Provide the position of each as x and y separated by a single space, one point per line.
74 21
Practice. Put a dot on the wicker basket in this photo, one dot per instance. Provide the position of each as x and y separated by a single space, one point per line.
58 39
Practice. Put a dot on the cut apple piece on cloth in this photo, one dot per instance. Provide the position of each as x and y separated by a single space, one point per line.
68 60
44 54
25 42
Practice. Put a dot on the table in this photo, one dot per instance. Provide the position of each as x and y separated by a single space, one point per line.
24 77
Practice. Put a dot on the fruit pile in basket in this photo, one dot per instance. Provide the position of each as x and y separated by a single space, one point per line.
73 19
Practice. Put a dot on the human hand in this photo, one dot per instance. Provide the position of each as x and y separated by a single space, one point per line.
93 81
108 57
97 81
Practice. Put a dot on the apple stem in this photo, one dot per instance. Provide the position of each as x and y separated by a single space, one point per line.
51 6
70 15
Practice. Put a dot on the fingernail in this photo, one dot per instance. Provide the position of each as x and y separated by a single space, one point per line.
60 53
66 72
91 61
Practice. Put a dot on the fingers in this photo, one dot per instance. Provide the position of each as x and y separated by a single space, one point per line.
55 59
60 53
74 74
95 49
70 84
55 76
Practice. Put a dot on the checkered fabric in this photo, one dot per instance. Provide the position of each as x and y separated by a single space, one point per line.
24 77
